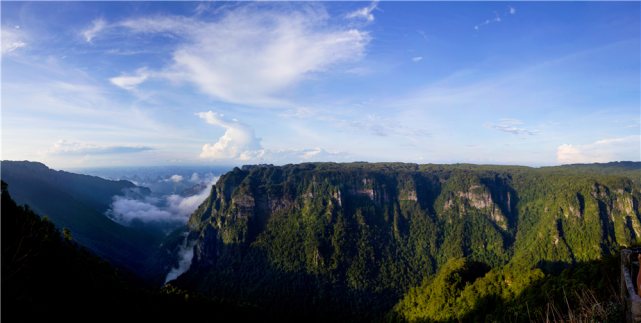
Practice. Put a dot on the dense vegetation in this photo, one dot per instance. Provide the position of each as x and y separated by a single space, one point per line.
46 274
78 202
342 242
347 241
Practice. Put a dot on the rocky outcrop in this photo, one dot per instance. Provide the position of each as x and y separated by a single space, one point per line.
245 205
482 200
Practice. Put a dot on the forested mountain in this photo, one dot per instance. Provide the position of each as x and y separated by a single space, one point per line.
628 169
46 274
347 241
77 202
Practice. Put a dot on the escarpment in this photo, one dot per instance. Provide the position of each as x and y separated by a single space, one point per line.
335 232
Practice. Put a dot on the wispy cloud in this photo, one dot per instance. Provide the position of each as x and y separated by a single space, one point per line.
416 59
251 54
488 21
129 82
618 149
507 125
632 126
65 148
98 25
372 124
12 40
364 13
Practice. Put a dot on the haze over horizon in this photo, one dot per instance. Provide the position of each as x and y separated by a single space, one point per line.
88 84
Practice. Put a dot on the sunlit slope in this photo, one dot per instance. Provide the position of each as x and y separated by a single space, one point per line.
349 239
50 196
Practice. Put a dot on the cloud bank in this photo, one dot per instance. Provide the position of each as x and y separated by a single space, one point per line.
65 148
170 209
602 151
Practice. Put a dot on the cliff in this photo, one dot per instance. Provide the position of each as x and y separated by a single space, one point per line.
347 240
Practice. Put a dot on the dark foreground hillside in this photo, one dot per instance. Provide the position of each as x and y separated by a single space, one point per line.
48 277
326 241
78 202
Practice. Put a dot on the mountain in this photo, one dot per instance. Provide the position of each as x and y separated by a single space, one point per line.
346 241
46 275
77 202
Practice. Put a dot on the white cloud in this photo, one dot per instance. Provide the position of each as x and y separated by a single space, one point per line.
195 177
512 10
98 25
185 256
238 138
602 151
250 56
63 147
416 59
11 40
632 126
364 13
507 125
303 112
176 178
129 82
377 126
511 121
488 21
170 209
239 143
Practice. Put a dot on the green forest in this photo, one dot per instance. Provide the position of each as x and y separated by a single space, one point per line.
380 241
45 274
362 242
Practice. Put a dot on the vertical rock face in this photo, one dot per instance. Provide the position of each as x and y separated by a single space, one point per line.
351 225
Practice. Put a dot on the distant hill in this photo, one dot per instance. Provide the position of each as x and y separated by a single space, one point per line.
77 202
628 169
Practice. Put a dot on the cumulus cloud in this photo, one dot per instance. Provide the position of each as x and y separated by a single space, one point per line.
11 40
507 125
364 13
98 25
175 178
170 209
416 59
238 138
240 143
512 10
65 148
250 55
602 151
129 82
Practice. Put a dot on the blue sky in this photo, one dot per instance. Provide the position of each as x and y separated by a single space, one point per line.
179 83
